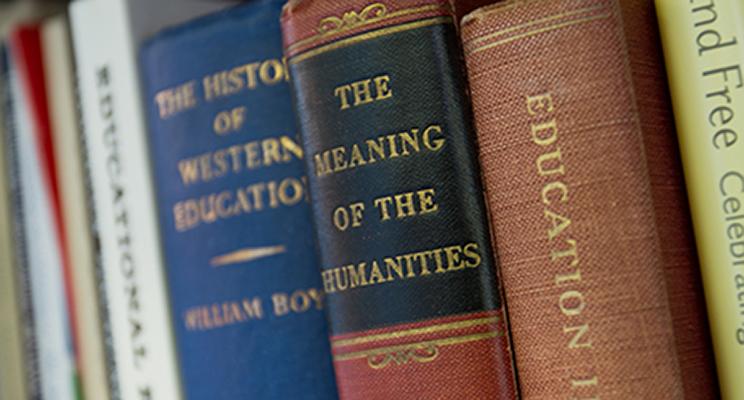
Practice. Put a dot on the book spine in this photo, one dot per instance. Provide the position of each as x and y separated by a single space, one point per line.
100 282
49 286
61 95
704 50
577 147
235 219
131 259
14 382
406 257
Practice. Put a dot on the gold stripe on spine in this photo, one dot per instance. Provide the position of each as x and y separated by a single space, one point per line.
500 7
371 14
421 352
414 331
534 32
245 255
368 36
483 38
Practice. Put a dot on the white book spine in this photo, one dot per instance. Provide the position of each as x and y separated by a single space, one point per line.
44 259
115 135
60 80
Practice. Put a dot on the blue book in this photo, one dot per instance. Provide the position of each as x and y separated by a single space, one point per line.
244 284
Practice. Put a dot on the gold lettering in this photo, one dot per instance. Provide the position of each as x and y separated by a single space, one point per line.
403 266
244 77
382 84
472 253
253 308
544 167
342 92
535 104
571 303
357 275
394 265
328 282
454 258
426 201
558 223
570 252
554 186
375 277
174 100
577 333
271 72
545 134
364 92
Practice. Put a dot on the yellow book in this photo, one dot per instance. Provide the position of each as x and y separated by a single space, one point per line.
60 81
704 50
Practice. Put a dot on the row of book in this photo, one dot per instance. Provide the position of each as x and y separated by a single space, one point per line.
372 199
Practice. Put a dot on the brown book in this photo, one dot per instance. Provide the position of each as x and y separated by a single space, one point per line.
587 200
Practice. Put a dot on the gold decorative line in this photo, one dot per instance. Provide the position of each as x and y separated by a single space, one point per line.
418 345
538 31
367 36
352 19
245 255
419 354
361 19
531 23
503 7
414 331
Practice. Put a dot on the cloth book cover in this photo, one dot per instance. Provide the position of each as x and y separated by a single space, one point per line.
245 289
587 199
408 267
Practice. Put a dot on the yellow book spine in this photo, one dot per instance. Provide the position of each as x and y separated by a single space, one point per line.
704 51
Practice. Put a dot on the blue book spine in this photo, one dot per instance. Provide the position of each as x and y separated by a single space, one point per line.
244 283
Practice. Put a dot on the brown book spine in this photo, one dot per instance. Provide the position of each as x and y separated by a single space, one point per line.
587 199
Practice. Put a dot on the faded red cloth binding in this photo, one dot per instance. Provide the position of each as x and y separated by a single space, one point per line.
587 198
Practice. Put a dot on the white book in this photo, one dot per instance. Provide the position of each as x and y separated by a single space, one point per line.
60 80
106 36
56 363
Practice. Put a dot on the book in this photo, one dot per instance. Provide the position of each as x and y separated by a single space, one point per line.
13 13
703 49
45 268
235 221
13 374
406 258
106 36
70 174
587 199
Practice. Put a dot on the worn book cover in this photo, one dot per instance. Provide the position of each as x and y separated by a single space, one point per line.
234 213
406 256
587 199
